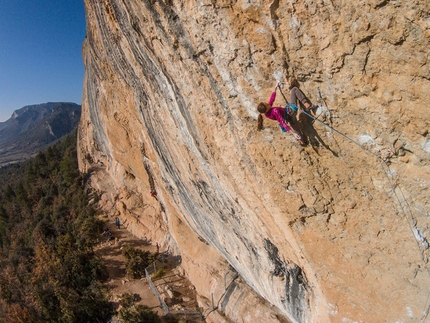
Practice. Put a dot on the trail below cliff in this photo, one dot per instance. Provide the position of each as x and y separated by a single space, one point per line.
173 287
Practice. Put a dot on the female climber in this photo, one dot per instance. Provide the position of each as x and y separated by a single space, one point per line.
279 114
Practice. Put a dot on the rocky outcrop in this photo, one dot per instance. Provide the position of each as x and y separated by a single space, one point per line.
34 127
336 231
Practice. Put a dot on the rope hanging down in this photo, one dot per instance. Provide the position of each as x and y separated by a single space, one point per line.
386 170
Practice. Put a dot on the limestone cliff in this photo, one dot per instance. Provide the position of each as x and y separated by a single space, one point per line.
336 231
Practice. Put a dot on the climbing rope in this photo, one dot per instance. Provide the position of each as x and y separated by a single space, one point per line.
386 169
331 128
343 135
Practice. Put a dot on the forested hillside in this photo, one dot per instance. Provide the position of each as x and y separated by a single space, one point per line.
48 270
35 127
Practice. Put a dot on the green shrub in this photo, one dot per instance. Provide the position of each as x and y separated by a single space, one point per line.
136 261
128 299
169 318
138 314
160 273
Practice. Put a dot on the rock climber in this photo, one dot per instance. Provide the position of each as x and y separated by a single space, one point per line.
154 194
279 114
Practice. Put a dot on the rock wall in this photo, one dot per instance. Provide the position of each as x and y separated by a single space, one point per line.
271 231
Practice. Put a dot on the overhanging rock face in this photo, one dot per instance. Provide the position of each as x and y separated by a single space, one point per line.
336 231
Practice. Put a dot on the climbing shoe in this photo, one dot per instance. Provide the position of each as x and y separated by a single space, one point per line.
312 109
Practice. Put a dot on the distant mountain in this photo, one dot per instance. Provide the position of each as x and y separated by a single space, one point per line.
35 127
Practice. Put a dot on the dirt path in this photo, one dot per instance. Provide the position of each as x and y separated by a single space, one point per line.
177 291
118 281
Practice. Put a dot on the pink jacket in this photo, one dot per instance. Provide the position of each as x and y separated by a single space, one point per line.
277 113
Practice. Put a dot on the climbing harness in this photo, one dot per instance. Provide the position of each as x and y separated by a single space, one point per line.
290 113
290 110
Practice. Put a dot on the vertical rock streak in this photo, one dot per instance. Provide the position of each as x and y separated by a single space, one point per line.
303 227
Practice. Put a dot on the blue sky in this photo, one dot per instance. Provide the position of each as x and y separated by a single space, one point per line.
40 53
